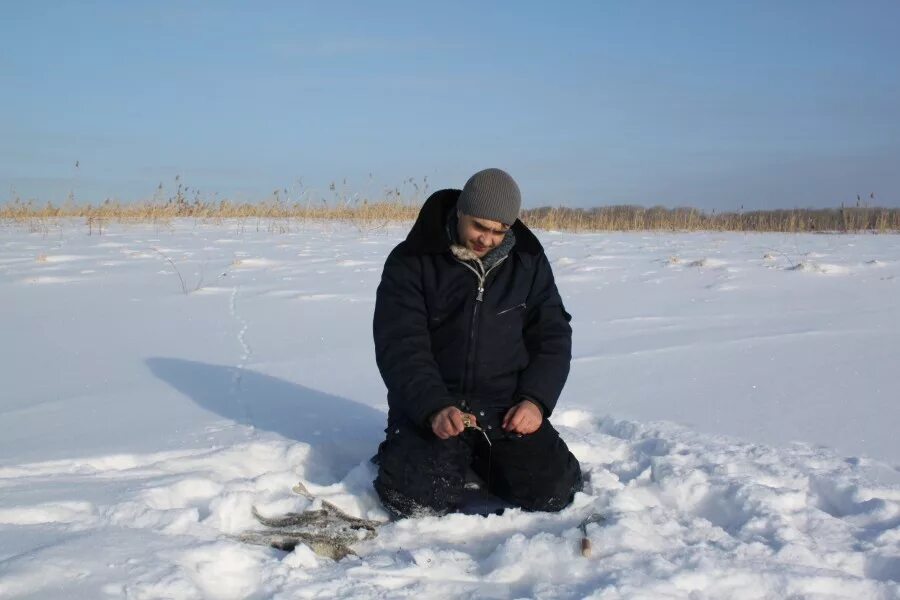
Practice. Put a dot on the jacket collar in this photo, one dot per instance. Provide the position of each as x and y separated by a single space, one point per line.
428 235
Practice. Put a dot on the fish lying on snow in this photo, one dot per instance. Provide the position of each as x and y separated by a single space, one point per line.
328 531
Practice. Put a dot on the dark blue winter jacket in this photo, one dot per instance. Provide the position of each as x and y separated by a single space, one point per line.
437 344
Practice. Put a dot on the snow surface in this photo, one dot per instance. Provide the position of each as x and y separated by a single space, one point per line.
733 400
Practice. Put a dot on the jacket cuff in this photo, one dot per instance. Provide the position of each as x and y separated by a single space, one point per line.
537 403
422 414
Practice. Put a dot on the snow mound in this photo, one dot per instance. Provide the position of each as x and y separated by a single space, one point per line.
61 258
707 262
51 279
253 263
825 269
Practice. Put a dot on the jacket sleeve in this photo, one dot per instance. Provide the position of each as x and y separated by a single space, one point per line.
548 339
403 342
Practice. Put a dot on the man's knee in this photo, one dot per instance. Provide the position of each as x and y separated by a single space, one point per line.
556 494
401 506
539 474
420 474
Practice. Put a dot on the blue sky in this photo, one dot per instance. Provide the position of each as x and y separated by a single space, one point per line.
710 104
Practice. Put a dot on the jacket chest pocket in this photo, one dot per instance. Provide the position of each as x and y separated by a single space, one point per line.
515 309
502 342
508 319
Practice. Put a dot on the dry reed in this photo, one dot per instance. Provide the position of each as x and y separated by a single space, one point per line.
277 215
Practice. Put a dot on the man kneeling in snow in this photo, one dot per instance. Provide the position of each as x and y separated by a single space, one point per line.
474 345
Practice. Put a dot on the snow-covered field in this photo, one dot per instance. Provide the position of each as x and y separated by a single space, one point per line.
733 399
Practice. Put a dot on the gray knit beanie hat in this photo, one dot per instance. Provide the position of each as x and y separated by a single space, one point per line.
491 194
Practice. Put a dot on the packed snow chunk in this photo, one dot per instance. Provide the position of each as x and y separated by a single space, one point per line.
573 418
185 493
232 513
137 515
61 258
253 263
225 570
302 557
708 263
446 563
529 565
825 269
51 279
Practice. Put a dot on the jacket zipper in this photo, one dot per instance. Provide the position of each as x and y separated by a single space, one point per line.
469 375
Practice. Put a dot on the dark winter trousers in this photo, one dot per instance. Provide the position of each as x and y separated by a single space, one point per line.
420 473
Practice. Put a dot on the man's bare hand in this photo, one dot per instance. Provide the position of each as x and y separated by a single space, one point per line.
448 422
525 417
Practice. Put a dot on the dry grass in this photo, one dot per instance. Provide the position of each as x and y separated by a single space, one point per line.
637 218
280 216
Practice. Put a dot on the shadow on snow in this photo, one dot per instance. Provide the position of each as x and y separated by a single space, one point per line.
341 433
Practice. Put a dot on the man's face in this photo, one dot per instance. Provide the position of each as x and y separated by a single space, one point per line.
480 235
